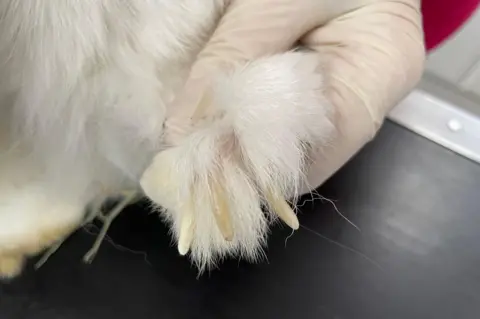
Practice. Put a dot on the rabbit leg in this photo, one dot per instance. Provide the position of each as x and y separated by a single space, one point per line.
31 220
249 149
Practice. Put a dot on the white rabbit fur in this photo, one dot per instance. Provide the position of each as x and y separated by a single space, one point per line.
84 86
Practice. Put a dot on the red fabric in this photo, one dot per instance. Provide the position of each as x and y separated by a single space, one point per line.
441 18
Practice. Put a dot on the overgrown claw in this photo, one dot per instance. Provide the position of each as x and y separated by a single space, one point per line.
282 209
221 210
186 233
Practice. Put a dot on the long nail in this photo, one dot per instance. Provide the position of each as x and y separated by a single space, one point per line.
221 210
282 209
185 238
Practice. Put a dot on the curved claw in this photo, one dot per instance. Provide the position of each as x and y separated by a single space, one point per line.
283 210
221 210
185 238
187 229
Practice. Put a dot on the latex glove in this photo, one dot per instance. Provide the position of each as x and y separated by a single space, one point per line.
372 52
368 55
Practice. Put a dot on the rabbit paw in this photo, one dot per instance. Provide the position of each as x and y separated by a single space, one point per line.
249 149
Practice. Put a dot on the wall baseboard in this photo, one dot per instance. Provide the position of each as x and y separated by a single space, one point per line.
440 121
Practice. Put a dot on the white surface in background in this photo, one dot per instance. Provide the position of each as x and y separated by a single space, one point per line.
441 122
455 59
471 80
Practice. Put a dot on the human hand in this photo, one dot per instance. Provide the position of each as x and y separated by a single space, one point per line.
371 53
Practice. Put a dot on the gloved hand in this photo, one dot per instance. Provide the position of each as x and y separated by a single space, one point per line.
368 54
372 52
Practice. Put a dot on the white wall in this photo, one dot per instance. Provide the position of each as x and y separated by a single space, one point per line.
445 108
458 60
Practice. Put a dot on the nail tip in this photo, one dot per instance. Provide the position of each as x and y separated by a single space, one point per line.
182 251
295 226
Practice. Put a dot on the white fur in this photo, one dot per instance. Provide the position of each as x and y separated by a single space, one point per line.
83 93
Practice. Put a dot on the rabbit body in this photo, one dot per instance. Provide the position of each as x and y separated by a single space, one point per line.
84 91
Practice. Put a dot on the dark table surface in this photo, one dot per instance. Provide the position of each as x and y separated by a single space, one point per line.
416 255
